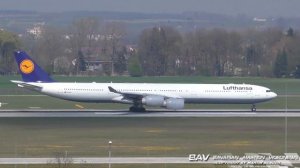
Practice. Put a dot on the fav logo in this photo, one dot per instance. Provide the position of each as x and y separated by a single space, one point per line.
27 66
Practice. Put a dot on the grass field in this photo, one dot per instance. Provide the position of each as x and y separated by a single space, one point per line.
22 98
50 137
42 137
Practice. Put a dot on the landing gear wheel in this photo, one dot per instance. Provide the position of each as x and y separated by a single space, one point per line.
132 109
137 109
253 108
142 109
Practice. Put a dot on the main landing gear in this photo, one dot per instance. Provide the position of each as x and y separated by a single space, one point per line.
137 107
253 108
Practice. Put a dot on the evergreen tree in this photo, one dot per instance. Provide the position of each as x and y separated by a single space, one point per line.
134 66
290 32
281 64
81 62
9 42
120 61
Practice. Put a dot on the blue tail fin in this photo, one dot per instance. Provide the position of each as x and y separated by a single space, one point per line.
30 71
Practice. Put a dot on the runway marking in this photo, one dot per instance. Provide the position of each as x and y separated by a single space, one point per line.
160 148
79 106
157 131
34 107
58 146
237 144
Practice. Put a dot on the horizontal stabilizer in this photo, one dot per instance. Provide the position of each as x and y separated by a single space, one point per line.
31 86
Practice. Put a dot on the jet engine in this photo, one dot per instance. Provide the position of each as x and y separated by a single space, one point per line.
153 100
174 103
169 103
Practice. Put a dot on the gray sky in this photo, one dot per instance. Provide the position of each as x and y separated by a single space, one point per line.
260 8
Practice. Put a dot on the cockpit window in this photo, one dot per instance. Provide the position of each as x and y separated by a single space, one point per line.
268 91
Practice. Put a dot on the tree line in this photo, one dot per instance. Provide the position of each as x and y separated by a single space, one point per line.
219 52
159 51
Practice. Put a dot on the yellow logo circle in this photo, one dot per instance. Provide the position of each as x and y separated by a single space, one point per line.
27 66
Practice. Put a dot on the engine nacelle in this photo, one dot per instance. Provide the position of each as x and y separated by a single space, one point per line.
170 103
174 103
153 100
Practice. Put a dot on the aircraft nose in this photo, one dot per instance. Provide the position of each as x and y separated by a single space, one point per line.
273 95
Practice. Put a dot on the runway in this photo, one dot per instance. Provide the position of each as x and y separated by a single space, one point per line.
153 113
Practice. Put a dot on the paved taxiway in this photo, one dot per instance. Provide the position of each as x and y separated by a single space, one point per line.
130 160
154 113
100 160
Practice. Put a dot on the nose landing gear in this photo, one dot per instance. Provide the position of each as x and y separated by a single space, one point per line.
253 108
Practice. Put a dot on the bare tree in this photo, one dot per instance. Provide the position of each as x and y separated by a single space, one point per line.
114 32
61 161
159 48
50 46
84 34
260 50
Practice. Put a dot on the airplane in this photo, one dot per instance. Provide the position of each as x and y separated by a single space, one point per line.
166 95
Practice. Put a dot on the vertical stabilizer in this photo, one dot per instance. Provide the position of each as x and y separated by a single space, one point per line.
30 71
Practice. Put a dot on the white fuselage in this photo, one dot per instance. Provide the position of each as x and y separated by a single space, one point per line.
191 93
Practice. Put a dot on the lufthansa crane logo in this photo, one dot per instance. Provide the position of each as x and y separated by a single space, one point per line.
27 66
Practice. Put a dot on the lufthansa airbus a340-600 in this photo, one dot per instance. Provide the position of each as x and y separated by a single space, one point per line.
166 95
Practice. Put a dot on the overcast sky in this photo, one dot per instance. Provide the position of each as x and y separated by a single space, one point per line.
259 8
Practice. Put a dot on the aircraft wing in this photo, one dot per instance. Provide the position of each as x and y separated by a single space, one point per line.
137 96
30 86
128 95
